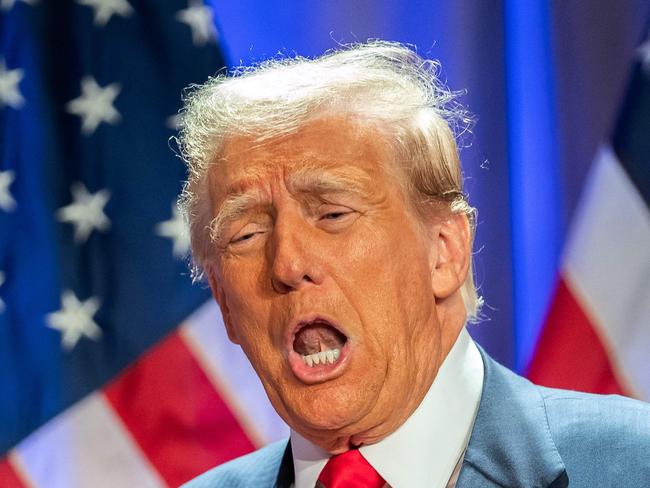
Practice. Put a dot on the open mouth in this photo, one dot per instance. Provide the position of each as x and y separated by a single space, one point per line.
318 350
319 343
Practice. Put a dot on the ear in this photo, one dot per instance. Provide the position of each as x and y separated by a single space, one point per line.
220 296
450 255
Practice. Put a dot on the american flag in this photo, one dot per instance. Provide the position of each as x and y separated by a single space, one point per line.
112 364
597 334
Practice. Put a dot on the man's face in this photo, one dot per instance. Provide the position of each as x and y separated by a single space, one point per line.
325 277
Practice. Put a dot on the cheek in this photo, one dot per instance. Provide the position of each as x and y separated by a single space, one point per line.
385 276
245 291
389 259
249 311
265 358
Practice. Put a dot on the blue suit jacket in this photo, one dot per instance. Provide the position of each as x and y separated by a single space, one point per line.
524 436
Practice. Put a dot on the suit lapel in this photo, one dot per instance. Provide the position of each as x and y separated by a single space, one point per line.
286 473
511 444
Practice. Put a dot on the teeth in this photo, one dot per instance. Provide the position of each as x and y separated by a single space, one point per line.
322 357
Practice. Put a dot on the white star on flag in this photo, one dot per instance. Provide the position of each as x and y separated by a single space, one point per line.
86 212
175 229
7 203
7 5
95 104
199 17
105 9
75 319
9 93
644 54
2 280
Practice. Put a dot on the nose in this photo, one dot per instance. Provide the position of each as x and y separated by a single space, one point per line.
294 252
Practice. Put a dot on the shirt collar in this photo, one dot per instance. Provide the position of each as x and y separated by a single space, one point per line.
424 450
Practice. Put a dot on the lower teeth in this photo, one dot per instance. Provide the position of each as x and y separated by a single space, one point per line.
322 357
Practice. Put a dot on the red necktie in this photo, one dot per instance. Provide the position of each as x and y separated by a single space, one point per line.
350 470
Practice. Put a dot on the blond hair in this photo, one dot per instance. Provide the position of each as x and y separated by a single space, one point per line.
383 83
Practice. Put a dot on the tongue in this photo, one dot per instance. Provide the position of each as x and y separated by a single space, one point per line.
316 338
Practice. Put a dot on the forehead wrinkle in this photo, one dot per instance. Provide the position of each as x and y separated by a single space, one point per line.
315 179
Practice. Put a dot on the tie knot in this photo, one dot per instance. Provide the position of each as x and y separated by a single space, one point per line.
350 470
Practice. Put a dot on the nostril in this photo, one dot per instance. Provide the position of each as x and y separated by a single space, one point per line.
284 285
279 286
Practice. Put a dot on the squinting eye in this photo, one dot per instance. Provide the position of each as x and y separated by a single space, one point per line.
245 237
334 215
337 219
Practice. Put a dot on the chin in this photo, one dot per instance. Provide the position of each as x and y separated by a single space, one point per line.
330 416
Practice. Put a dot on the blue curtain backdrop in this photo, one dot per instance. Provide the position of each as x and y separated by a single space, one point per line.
544 80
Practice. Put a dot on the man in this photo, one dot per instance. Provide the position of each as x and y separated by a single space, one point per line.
327 213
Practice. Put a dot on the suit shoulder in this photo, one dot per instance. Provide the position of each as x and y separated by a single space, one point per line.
257 469
572 413
608 432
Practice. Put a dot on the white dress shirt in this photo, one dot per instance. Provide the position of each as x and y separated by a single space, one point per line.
425 450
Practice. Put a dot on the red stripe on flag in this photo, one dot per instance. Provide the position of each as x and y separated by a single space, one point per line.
8 476
569 353
174 413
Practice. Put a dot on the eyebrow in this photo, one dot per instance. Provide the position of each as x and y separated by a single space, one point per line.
243 196
234 206
319 181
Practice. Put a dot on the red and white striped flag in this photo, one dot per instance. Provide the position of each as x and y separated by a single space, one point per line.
190 403
597 332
